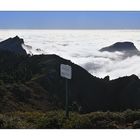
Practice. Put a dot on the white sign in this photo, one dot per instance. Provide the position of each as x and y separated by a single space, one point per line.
66 71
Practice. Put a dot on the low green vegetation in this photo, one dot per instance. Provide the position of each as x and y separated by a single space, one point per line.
57 120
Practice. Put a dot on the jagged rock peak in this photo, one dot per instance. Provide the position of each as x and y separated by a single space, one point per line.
106 78
17 38
13 45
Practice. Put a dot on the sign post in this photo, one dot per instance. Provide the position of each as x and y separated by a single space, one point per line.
66 72
67 99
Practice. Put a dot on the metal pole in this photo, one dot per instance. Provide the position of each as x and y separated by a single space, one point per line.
67 99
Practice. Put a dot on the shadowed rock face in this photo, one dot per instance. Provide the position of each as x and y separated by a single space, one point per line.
13 45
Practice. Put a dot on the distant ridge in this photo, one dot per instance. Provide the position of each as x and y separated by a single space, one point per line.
127 48
120 46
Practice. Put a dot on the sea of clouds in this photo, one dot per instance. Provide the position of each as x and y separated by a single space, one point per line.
81 47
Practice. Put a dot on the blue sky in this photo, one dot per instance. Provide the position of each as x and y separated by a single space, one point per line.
70 20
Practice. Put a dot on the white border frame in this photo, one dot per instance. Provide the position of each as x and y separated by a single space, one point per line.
68 5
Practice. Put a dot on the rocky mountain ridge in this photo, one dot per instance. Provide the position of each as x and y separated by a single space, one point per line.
34 83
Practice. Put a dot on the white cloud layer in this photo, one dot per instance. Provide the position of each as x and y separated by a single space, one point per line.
81 47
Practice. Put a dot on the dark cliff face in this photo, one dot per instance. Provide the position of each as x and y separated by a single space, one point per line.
13 45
